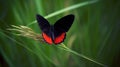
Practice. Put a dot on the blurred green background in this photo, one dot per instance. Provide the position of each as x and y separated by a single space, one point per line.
95 33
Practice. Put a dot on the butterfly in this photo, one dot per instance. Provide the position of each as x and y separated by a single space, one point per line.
55 34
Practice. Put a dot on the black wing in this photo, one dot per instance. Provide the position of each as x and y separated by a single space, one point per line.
63 24
43 23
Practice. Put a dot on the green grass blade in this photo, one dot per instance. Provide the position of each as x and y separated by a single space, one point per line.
66 9
30 50
62 46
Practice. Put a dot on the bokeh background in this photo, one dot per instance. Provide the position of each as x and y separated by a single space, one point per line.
95 33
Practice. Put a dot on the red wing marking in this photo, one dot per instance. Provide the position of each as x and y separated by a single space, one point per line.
60 38
47 38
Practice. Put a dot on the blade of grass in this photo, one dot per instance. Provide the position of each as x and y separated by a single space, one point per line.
62 46
66 9
6 58
27 48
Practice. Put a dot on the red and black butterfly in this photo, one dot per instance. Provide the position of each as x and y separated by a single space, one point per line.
55 33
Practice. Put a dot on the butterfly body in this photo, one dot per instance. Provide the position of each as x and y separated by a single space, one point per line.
55 33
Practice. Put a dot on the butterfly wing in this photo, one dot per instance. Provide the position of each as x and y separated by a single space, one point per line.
45 27
43 23
64 23
61 27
